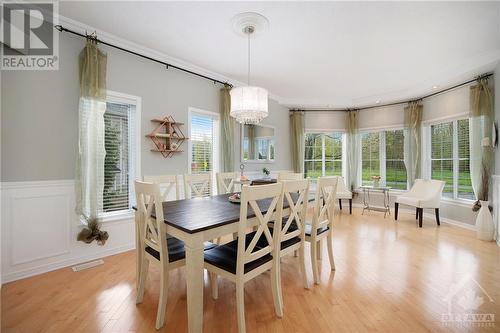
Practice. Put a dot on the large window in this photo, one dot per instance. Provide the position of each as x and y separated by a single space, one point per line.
450 157
323 154
203 141
120 160
382 154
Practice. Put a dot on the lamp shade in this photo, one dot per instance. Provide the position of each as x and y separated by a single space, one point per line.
249 104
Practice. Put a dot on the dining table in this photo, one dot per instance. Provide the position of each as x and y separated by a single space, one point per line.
195 221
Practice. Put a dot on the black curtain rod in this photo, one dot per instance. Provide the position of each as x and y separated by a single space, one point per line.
60 28
401 102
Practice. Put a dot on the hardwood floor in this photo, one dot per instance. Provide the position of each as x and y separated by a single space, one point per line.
391 277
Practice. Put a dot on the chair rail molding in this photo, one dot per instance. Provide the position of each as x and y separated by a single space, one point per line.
39 228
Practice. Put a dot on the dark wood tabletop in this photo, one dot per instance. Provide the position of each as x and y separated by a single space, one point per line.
199 214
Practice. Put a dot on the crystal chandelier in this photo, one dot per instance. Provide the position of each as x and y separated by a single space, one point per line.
249 103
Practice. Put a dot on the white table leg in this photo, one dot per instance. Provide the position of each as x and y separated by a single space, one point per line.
194 282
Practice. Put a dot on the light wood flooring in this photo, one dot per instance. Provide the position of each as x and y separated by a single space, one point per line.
391 277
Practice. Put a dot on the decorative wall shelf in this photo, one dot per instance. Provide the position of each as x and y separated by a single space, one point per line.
167 136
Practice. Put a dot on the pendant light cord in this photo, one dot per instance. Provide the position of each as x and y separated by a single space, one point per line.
248 65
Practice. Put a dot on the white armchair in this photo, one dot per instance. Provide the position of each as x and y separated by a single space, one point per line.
343 193
423 194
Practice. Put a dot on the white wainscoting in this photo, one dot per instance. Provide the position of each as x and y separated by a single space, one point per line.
39 228
496 205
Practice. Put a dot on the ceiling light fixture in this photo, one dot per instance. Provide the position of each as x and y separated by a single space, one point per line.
249 104
377 102
435 87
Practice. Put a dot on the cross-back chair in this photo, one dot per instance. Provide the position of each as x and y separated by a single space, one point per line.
243 259
321 226
154 245
290 176
225 182
168 183
197 185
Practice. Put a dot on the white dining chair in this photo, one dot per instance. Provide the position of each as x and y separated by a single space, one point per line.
321 226
293 226
424 194
198 185
290 176
225 182
168 183
241 260
343 194
155 245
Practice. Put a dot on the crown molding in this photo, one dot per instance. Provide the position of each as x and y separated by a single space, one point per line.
124 43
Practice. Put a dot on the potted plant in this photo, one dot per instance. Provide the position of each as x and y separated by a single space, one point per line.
266 172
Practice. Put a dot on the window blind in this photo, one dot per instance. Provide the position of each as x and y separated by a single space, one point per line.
395 170
119 144
370 157
202 145
442 155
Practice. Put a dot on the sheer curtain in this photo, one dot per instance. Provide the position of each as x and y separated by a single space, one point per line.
227 130
353 152
413 140
91 152
481 119
297 133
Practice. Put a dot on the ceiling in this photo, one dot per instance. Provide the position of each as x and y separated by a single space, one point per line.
317 54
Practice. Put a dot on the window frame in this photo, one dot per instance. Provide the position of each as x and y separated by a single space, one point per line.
382 153
122 98
216 139
427 152
323 160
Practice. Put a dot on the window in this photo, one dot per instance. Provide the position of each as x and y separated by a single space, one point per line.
450 158
323 154
121 156
382 154
203 141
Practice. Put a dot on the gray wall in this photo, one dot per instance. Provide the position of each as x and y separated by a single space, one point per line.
40 114
496 78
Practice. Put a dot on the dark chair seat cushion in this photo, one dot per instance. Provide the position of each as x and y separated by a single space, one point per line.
308 227
225 256
176 249
284 244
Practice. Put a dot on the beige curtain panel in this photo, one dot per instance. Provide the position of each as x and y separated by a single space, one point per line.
352 145
227 130
481 120
91 150
413 141
297 137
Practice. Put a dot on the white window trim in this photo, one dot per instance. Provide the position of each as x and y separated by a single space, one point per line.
427 155
216 151
382 154
117 97
344 145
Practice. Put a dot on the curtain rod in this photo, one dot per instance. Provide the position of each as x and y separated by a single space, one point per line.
60 28
483 76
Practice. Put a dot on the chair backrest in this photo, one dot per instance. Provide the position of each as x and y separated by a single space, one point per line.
225 182
152 231
290 176
274 205
341 188
167 184
296 195
197 185
427 188
324 206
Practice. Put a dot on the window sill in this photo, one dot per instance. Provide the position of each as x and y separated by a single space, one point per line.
114 217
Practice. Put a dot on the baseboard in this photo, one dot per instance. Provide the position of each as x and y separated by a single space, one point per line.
22 274
430 216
